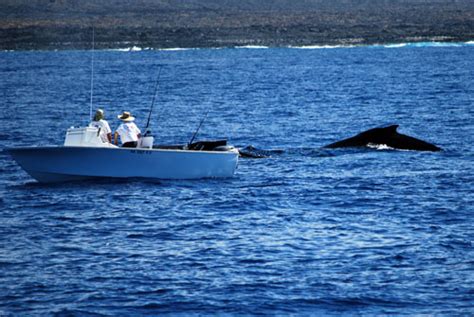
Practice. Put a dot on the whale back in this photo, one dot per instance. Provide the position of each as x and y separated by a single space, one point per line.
385 135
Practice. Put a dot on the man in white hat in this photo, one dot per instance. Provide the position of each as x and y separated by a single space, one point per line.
103 126
128 131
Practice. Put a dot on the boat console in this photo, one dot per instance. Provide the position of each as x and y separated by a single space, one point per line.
85 137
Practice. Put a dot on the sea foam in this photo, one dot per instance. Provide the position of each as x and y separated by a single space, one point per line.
252 47
314 47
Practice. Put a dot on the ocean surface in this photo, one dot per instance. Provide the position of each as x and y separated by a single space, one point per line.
307 231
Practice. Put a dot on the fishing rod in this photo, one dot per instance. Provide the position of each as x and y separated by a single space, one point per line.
199 127
153 101
92 72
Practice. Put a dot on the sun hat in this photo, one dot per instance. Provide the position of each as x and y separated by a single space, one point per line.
99 114
126 116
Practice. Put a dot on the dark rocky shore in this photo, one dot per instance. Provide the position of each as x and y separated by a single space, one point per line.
67 24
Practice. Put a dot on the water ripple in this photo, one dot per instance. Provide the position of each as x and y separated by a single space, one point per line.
304 231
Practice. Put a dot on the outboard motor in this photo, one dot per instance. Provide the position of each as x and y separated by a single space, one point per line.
225 148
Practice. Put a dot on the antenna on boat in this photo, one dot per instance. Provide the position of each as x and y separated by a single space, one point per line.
153 102
92 72
199 127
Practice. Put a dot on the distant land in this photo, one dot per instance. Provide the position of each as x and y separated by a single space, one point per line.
67 24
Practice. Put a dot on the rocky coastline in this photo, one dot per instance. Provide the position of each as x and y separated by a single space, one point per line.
26 27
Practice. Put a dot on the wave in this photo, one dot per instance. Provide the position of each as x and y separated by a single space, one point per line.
177 49
423 44
128 49
252 47
168 49
379 147
314 47
304 47
395 45
389 45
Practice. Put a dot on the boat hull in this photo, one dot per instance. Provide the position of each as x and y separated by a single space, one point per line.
61 164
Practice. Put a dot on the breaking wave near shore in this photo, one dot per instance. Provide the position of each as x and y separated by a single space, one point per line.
303 47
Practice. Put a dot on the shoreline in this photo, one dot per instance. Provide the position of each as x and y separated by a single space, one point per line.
121 24
124 27
134 48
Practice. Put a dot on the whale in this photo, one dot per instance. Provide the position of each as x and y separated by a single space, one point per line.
252 152
385 135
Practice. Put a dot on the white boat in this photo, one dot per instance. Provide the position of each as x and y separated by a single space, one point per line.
85 156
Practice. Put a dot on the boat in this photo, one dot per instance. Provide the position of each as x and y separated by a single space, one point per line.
85 156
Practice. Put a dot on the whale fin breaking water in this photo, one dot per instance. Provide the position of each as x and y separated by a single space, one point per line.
388 136
252 152
381 138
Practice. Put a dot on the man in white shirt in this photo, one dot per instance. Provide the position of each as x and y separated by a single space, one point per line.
99 122
128 131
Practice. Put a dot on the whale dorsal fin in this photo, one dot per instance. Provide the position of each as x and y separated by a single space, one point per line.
387 135
390 128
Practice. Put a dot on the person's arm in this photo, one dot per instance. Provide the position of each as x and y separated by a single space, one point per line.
139 133
108 131
115 138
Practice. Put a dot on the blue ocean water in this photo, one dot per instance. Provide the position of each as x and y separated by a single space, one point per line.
307 231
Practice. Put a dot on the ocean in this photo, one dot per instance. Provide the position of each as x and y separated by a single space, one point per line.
306 231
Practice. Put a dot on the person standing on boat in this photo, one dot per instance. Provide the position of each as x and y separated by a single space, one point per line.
99 122
128 131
